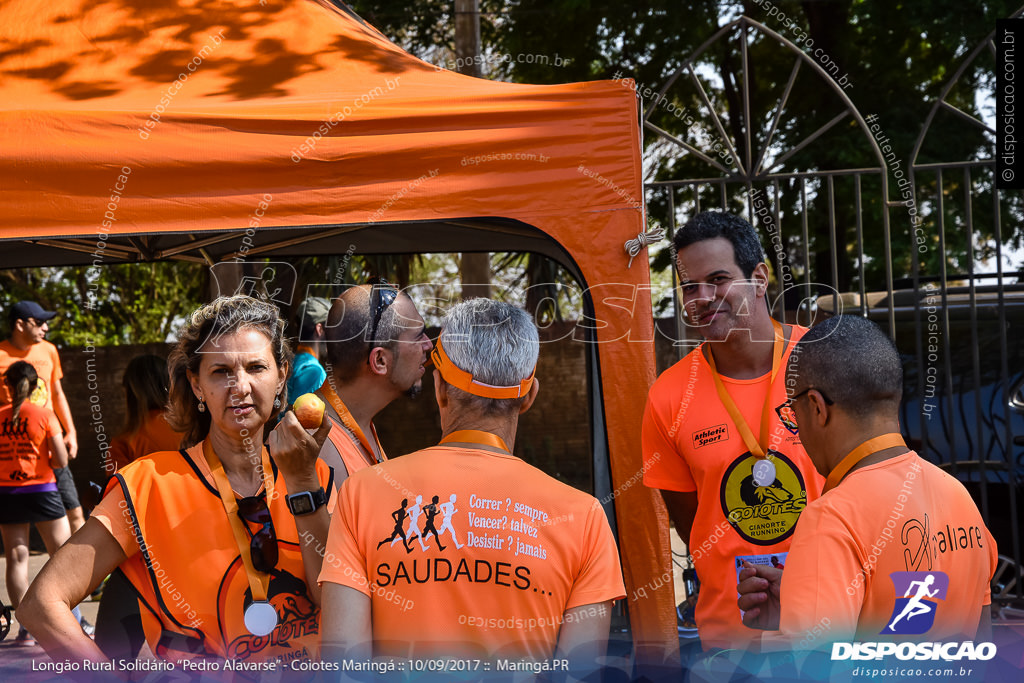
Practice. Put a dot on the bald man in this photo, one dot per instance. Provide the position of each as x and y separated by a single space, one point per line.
377 349
895 548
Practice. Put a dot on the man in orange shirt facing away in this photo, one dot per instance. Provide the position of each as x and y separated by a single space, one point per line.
734 478
29 325
895 548
528 569
377 350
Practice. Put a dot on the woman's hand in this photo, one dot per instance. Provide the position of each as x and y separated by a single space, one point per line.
296 452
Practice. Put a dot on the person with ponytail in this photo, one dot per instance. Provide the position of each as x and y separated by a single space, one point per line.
31 446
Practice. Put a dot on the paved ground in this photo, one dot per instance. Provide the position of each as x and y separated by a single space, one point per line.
16 661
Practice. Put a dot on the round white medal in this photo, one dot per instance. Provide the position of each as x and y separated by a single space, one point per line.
260 618
764 472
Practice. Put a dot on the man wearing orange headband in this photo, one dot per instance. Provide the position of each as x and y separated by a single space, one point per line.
514 564
895 549
376 352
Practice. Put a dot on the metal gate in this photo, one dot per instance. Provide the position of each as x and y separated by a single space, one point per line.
908 245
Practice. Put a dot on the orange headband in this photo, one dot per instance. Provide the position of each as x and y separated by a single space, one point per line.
461 379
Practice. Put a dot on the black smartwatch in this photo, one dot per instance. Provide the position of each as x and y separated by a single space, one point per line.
306 502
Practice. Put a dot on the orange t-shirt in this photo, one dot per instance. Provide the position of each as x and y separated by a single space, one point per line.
877 538
469 552
154 435
691 444
25 449
44 358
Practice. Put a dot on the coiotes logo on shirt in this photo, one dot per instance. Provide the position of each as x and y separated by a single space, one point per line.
763 515
917 596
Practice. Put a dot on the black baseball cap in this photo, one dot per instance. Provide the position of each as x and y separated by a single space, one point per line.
24 310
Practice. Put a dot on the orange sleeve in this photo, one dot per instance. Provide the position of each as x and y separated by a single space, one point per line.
664 466
58 372
112 513
600 575
53 427
820 579
344 561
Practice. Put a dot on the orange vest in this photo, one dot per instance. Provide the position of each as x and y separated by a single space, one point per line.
189 575
351 454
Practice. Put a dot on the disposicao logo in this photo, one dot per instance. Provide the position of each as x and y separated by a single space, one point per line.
917 596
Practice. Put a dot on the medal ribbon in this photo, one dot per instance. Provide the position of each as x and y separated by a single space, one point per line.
350 423
879 443
478 437
752 443
258 581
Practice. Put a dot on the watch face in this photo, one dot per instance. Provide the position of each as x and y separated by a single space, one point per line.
301 503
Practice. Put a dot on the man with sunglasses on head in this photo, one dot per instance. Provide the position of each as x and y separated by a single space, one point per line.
895 548
377 350
733 477
530 568
29 325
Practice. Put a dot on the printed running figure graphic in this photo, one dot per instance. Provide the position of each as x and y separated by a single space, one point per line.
449 509
430 512
915 606
414 526
399 517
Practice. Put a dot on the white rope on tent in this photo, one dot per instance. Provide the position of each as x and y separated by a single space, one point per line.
634 246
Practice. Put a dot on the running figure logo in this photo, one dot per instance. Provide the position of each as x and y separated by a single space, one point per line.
917 596
429 512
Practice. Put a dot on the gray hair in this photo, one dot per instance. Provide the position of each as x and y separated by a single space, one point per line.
853 362
225 315
495 342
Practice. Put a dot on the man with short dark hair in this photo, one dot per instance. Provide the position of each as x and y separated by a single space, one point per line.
529 569
733 477
377 350
895 548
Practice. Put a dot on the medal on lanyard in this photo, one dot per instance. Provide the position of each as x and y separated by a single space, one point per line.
879 443
260 617
764 469
478 437
349 423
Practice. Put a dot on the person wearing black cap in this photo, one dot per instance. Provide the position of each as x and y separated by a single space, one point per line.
29 323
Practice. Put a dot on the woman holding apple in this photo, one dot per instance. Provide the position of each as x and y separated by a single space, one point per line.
219 539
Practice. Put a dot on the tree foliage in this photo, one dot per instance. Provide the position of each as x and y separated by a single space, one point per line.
114 304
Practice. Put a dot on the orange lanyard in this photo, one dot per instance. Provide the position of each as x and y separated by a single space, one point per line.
879 443
478 437
258 581
350 423
753 445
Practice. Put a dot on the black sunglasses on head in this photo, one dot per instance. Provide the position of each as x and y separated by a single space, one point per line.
263 544
382 295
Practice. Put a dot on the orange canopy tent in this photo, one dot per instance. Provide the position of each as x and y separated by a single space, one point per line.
208 130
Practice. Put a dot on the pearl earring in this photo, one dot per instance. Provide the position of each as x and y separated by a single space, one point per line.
202 406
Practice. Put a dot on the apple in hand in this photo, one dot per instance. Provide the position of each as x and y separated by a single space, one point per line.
309 410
